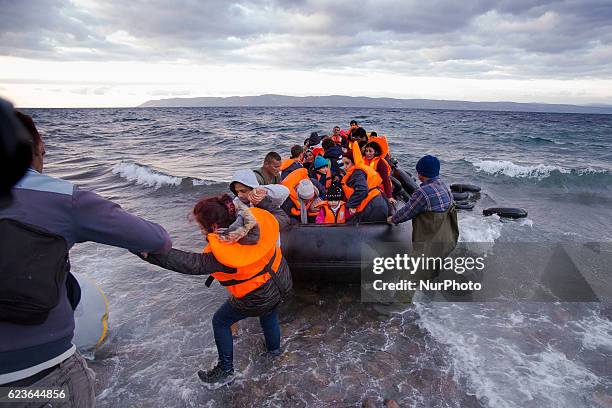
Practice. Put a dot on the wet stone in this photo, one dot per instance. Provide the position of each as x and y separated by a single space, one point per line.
369 402
603 399
389 403
308 296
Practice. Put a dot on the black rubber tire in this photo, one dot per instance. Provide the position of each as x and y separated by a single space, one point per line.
460 188
460 196
464 205
506 212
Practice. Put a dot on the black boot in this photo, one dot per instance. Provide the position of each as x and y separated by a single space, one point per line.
217 375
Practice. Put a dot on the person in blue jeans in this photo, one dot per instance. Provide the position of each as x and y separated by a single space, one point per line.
226 316
244 255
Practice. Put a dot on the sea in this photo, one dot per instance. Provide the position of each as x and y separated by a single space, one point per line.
338 351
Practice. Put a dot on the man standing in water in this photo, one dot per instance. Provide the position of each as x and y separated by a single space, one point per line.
269 173
431 208
45 219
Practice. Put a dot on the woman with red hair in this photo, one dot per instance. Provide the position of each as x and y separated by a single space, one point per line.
243 253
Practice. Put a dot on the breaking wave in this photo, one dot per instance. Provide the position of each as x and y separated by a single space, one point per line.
145 176
538 171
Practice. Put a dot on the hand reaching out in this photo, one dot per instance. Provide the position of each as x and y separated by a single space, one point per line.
257 194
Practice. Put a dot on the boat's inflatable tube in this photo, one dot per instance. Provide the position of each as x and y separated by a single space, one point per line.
398 191
332 252
90 317
505 212
460 196
460 188
464 205
406 180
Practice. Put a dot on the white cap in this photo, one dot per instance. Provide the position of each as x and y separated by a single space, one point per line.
305 189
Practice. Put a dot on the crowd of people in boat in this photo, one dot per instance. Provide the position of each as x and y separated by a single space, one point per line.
340 178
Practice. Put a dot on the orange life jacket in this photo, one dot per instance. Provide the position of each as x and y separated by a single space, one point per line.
291 181
287 163
337 139
330 218
384 148
253 263
317 151
373 179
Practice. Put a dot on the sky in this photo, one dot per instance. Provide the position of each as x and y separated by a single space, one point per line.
83 53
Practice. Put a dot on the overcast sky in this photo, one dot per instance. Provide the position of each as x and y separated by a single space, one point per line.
60 53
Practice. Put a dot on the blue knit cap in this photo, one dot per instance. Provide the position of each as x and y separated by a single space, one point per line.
319 162
428 166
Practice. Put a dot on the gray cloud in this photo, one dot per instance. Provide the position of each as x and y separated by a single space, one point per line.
472 38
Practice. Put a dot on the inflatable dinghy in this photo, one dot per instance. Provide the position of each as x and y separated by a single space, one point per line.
90 317
332 252
406 180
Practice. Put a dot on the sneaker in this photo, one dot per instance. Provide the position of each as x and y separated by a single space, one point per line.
217 376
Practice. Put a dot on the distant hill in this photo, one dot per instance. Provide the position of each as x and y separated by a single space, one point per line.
339 101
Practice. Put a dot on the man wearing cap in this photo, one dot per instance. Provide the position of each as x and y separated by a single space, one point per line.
432 211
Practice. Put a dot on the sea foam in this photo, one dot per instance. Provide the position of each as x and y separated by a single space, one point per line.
145 176
537 171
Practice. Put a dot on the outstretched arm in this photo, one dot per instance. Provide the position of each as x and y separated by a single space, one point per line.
187 263
100 220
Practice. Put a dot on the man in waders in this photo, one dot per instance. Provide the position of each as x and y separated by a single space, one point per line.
434 218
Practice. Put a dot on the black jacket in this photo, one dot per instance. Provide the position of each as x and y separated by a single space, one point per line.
377 209
334 154
256 303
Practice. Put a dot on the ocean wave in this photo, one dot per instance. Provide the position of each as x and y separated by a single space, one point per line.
479 229
145 176
499 369
201 182
544 140
538 171
596 332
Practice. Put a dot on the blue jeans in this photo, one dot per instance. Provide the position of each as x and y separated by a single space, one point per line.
222 321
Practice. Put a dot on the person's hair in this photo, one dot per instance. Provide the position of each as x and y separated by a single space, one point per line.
296 150
272 156
376 147
28 124
372 134
216 210
349 155
353 122
308 151
359 133
306 141
327 143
